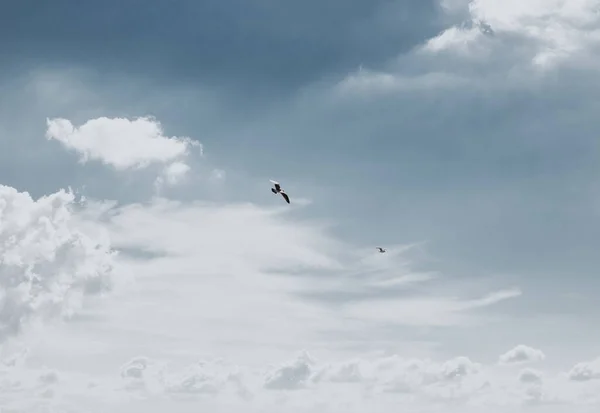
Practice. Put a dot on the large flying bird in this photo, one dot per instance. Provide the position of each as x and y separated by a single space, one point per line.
278 190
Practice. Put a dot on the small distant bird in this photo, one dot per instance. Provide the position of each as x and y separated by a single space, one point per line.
381 250
277 190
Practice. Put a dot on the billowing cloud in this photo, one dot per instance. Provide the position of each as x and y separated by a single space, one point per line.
516 43
545 32
49 260
521 354
135 368
291 376
585 371
458 385
172 174
530 376
175 172
123 143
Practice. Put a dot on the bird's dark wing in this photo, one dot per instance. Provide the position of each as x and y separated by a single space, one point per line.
286 197
276 184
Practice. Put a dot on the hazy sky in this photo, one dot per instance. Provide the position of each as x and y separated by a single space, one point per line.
146 265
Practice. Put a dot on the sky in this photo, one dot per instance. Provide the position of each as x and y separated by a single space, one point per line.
146 265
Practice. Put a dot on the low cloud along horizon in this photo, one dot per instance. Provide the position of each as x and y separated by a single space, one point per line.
146 265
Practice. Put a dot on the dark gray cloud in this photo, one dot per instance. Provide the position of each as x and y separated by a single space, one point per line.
261 45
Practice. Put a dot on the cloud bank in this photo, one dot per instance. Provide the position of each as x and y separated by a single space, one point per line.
304 383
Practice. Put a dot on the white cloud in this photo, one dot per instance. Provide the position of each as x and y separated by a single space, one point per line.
122 143
135 368
432 310
48 261
530 376
454 6
172 174
255 285
303 383
585 371
247 283
458 39
366 81
494 44
175 172
291 376
547 32
221 279
521 354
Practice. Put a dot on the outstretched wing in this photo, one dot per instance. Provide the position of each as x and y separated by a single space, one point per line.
277 186
286 197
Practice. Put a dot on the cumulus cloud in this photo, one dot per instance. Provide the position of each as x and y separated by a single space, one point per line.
48 261
204 378
585 371
212 277
173 174
530 376
459 383
387 374
491 45
521 354
135 368
545 32
123 143
352 371
196 380
292 375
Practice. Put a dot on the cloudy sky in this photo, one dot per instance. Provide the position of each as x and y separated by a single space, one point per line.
146 266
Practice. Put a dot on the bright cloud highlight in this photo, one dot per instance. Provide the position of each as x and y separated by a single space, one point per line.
49 261
549 31
122 143
522 354
513 42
